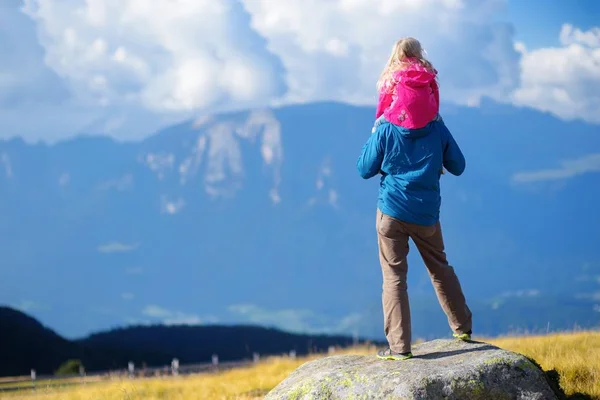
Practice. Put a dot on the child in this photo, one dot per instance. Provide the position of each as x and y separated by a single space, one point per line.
408 91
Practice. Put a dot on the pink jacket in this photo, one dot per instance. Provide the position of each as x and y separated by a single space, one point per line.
411 98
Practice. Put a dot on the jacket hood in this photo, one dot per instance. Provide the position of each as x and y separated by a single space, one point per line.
416 75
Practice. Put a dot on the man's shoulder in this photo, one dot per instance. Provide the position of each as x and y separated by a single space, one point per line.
438 127
384 129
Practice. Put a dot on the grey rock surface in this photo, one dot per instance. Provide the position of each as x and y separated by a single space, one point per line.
440 369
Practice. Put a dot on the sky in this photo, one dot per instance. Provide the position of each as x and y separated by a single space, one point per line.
126 68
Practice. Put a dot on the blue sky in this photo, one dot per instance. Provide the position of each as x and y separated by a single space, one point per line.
538 23
126 68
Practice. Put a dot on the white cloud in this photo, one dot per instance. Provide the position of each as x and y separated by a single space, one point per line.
335 49
137 321
120 184
5 162
570 35
127 296
116 247
522 293
64 179
589 296
24 79
128 67
156 312
173 57
320 184
568 169
183 319
295 320
172 207
563 80
333 198
35 102
134 271
163 55
30 306
169 317
274 196
588 278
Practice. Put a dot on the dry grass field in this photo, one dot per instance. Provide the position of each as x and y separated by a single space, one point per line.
576 357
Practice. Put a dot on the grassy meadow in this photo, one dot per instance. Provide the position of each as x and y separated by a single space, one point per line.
576 356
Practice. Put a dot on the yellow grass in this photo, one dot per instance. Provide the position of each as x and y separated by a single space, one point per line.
576 356
243 383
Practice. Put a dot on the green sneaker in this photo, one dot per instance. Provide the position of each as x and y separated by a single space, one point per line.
388 354
465 337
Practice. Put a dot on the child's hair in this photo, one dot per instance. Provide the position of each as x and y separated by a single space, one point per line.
404 48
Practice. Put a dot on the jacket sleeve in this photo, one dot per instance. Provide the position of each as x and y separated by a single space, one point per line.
385 99
371 158
436 92
454 160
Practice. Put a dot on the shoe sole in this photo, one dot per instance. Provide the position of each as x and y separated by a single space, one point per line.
464 338
394 358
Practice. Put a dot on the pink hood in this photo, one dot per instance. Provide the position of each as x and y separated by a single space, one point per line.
415 75
411 99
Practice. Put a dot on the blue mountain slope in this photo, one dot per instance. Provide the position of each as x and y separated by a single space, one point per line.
261 217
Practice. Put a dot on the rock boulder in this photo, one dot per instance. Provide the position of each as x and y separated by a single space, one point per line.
440 369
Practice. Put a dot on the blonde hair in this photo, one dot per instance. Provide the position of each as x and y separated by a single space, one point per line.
404 49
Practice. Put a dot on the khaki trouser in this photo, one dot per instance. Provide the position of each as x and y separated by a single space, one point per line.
393 238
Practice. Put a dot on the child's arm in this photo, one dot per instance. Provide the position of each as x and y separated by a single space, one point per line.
371 158
436 92
385 100
385 95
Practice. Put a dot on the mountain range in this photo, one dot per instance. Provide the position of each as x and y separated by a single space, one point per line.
260 217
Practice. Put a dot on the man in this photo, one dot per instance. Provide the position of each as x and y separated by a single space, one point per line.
410 162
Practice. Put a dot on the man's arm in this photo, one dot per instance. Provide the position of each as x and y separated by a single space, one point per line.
454 160
369 162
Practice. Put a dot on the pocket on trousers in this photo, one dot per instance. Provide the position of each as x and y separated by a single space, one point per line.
427 231
389 227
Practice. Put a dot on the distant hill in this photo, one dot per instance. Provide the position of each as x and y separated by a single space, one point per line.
198 343
27 344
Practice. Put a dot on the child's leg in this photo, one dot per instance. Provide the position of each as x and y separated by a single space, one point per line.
378 121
